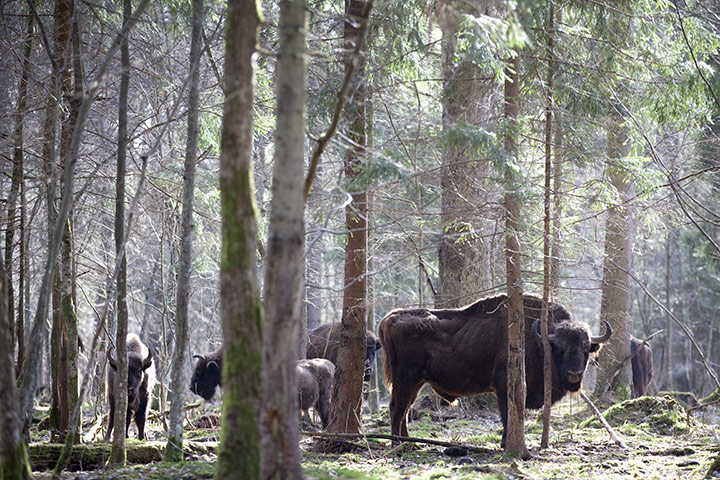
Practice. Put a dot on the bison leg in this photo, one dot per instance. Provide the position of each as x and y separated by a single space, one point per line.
402 398
502 406
111 419
128 419
140 417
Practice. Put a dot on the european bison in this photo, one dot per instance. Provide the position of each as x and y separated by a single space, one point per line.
314 377
324 342
207 374
141 381
315 380
463 352
642 366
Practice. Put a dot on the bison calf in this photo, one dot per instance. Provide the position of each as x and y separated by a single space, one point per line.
141 381
642 366
324 342
315 380
207 374
463 351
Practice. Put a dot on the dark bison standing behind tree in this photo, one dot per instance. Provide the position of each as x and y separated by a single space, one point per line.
141 381
207 374
642 366
462 352
324 342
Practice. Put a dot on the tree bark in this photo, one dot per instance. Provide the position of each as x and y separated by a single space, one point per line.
16 321
547 241
279 428
174 450
239 453
14 462
118 455
465 259
516 390
346 403
616 298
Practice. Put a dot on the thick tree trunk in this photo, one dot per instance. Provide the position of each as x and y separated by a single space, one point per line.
118 455
346 403
239 453
516 389
178 387
466 262
616 299
279 428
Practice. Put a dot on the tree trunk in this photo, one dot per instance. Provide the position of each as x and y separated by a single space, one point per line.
464 256
547 280
16 185
64 10
616 299
346 403
670 243
14 461
29 374
516 389
118 455
239 453
174 451
279 428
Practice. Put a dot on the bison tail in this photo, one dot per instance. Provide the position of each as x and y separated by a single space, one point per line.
388 350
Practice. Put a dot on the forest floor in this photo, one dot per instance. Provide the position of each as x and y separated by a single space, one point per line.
663 444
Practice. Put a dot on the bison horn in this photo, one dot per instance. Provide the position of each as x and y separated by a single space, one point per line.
535 325
110 359
200 356
148 359
603 338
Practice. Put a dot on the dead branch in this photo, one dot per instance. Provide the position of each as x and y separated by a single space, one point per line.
396 438
604 422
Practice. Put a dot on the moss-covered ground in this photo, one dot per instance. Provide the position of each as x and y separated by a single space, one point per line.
663 444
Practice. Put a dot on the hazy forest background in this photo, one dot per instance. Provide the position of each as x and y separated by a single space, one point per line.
611 159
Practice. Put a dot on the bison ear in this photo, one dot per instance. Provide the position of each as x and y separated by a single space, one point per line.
594 347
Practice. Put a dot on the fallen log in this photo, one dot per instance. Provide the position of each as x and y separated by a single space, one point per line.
44 456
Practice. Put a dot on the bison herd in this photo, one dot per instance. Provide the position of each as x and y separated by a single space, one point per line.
458 352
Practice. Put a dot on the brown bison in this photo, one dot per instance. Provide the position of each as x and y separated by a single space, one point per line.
642 366
324 342
207 374
315 380
462 352
141 381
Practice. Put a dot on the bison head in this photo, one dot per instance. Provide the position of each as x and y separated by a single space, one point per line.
571 346
137 365
206 376
372 345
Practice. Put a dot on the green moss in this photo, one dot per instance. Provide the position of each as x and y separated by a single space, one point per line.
714 470
662 415
239 452
239 214
17 466
173 450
